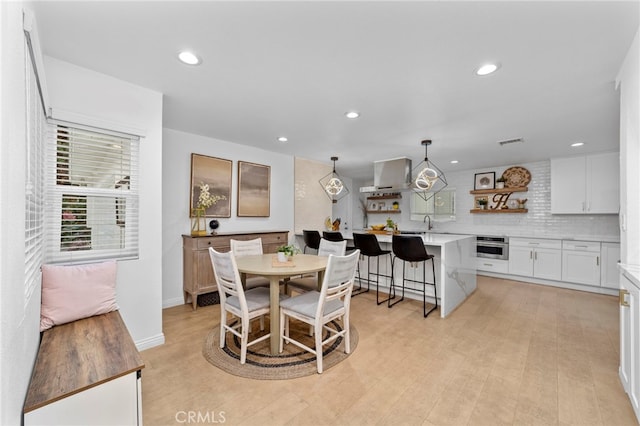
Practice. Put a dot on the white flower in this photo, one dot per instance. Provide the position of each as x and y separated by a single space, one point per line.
206 200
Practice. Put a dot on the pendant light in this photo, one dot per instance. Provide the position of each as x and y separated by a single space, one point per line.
429 179
333 185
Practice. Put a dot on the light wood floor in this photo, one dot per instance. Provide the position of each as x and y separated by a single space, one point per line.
513 353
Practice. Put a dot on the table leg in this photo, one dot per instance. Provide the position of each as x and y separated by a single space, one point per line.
274 297
320 279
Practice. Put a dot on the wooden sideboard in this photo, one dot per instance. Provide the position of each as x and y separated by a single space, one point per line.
197 277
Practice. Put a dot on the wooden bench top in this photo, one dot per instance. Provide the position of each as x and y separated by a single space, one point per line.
79 355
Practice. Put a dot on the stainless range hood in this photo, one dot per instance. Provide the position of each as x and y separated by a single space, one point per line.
390 175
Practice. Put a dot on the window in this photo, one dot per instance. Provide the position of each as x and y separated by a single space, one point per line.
441 207
34 181
92 206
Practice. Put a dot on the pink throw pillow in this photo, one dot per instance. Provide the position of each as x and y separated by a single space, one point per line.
73 292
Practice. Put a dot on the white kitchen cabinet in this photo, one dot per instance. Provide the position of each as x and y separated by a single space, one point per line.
610 257
492 265
581 262
533 257
586 184
630 338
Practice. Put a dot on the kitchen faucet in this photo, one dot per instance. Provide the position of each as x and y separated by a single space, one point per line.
426 216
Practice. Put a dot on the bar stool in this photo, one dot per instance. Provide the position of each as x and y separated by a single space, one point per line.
335 236
311 240
369 247
411 249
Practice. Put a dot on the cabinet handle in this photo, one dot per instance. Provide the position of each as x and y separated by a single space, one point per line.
209 242
583 206
531 254
534 244
622 294
581 246
535 257
487 264
597 260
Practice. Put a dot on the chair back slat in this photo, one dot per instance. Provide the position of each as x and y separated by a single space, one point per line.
227 276
338 280
246 247
337 248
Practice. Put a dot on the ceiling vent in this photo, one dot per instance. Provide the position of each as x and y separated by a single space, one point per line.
508 141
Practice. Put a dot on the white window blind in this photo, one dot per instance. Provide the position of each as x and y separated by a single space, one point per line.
92 203
34 181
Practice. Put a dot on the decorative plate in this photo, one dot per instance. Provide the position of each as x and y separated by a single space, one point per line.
516 176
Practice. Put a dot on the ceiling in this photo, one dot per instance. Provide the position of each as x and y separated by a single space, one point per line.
293 69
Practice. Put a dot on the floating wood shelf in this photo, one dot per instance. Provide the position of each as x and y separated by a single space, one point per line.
498 211
500 191
385 197
383 211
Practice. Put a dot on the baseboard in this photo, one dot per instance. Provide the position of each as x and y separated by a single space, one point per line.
170 303
559 284
150 342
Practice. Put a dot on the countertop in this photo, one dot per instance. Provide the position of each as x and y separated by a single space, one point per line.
600 238
632 272
429 238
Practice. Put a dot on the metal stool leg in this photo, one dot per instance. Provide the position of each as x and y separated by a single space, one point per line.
393 284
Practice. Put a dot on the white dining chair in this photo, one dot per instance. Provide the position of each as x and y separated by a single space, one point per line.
247 248
320 308
310 283
243 305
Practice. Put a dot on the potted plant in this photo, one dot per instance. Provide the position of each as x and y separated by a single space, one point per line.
482 203
286 252
500 182
390 225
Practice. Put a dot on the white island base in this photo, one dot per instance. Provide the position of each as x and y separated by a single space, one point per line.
455 265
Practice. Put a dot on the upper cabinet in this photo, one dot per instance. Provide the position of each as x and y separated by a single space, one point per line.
586 184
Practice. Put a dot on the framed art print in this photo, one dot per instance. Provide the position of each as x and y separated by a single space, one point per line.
211 184
254 189
485 180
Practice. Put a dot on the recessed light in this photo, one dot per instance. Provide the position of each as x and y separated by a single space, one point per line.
454 161
282 139
487 69
352 114
576 144
189 58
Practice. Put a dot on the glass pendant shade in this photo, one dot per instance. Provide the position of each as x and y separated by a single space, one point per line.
429 179
333 185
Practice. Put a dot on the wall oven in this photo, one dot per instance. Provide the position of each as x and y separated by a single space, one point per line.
492 247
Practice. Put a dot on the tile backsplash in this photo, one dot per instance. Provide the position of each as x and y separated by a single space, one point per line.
537 222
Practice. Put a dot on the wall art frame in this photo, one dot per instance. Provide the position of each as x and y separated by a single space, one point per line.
254 190
217 174
486 180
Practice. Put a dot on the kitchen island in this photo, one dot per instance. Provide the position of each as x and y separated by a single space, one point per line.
455 264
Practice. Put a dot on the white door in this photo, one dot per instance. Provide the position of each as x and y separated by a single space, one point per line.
521 261
547 264
629 342
567 185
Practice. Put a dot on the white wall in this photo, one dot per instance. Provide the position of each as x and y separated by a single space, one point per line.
629 80
79 90
177 149
19 324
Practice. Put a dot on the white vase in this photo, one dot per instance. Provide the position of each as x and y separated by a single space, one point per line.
282 257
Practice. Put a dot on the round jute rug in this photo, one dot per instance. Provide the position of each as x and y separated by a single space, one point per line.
291 363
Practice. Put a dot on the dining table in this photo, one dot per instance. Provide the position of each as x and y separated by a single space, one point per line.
268 266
